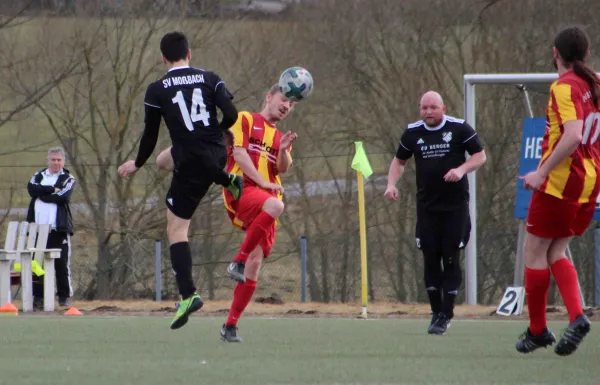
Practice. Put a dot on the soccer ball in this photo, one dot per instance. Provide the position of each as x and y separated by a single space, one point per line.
296 83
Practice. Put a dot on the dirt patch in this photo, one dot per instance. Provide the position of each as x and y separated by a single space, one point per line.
271 300
274 307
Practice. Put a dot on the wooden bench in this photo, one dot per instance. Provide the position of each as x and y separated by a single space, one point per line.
26 242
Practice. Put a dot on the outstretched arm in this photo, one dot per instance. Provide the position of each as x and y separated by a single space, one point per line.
403 153
147 143
396 170
223 100
149 137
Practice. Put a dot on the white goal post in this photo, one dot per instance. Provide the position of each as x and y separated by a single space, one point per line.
470 80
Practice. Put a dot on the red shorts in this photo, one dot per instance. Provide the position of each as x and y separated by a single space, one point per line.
552 217
243 212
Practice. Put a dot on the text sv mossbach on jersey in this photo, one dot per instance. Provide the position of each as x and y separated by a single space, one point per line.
183 80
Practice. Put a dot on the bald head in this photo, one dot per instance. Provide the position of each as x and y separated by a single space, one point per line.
432 97
432 108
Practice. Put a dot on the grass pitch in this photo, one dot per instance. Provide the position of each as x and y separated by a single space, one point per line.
122 350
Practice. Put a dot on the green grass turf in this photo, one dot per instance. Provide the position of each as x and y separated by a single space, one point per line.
142 350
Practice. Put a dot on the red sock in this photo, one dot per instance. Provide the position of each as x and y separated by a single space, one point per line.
537 283
565 276
255 233
242 294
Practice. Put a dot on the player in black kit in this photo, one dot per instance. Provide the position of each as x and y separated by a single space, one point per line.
438 143
187 99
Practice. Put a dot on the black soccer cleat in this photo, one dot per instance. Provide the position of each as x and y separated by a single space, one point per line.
229 334
573 336
441 325
235 270
235 186
434 319
528 342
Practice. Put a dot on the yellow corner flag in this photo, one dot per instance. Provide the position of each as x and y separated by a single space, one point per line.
360 162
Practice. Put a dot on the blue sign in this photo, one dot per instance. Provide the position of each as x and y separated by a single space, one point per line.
531 153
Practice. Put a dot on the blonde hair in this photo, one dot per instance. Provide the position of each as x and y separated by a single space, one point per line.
272 91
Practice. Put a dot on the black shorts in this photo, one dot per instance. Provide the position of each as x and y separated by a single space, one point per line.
443 230
193 175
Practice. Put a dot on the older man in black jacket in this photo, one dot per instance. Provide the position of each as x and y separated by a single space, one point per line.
50 189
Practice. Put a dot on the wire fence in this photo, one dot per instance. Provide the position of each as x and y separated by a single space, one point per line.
117 225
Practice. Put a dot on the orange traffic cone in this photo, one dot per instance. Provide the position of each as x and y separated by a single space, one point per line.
73 311
8 309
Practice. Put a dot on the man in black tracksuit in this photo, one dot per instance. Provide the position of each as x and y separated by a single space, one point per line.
438 143
50 190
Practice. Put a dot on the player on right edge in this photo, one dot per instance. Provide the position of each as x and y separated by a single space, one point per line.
566 186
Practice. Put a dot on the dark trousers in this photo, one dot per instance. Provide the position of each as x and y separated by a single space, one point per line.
62 241
440 236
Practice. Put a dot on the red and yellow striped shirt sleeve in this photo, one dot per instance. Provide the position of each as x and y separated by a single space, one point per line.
566 102
241 129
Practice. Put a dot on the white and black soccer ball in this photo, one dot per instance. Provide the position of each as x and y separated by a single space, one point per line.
296 83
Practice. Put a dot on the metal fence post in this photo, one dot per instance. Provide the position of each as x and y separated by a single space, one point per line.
303 267
158 270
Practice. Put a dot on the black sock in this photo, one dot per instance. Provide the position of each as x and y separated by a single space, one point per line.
449 298
181 261
435 299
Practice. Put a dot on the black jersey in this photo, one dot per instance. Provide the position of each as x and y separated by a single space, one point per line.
187 100
438 150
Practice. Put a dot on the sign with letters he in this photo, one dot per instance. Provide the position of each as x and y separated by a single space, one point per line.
531 154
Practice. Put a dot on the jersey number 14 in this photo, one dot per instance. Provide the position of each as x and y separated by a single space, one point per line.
198 113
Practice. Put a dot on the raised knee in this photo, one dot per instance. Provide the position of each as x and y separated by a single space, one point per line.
274 207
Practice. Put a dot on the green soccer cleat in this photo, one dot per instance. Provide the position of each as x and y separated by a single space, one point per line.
236 186
185 308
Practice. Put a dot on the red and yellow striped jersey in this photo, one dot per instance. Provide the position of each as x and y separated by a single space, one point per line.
576 177
261 140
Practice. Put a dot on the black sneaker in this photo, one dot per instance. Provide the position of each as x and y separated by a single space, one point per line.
63 302
235 270
528 342
573 336
235 186
434 319
441 325
229 334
